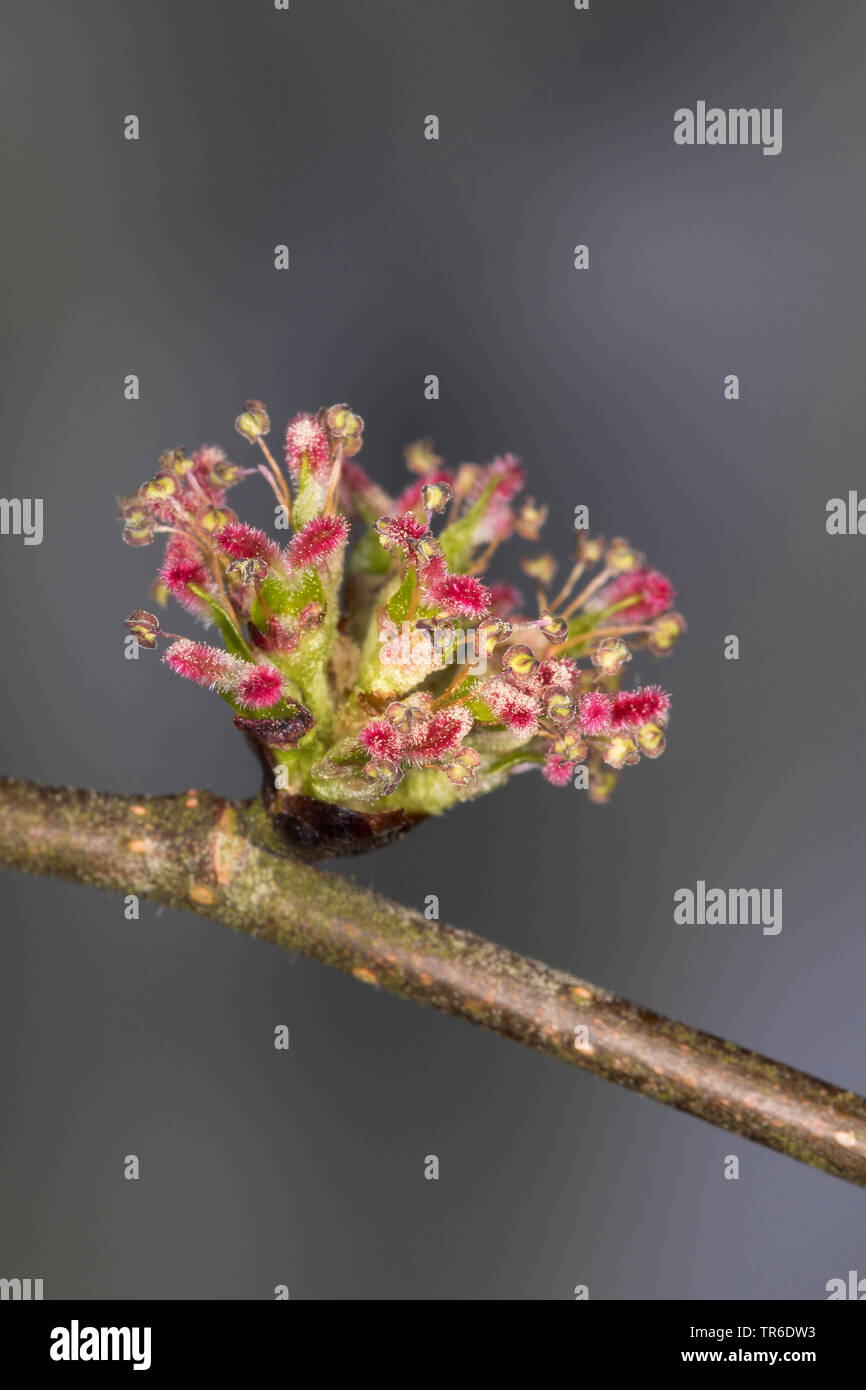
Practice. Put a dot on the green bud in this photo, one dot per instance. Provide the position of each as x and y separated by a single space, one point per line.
558 706
520 662
158 489
144 626
554 628
435 497
253 422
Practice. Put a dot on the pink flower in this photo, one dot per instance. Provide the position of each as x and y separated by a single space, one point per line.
203 664
317 540
214 473
259 687
459 595
244 542
182 565
515 708
399 532
633 708
305 435
558 770
554 673
382 740
440 735
594 711
653 591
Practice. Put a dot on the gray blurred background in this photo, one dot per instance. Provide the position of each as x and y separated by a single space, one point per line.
410 257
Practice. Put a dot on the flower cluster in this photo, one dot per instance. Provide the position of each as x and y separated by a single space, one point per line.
396 676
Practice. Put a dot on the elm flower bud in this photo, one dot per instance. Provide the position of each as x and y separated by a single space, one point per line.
345 425
253 422
144 626
248 570
435 497
405 717
520 663
555 629
176 461
225 474
610 656
621 751
214 518
489 633
664 633
651 740
571 746
425 550
384 775
138 526
621 557
462 770
558 706
160 488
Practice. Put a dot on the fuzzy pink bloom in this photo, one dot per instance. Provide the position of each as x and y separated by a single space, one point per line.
459 595
304 435
398 532
317 540
554 673
259 687
504 599
180 569
182 565
594 711
440 735
654 592
633 708
410 497
382 740
515 708
176 575
558 770
208 456
244 542
203 664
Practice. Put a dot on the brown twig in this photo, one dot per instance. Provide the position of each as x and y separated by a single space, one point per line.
222 860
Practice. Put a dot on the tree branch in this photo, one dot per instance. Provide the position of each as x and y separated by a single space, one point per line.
222 860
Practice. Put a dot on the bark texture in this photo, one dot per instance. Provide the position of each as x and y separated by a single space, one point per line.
225 860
